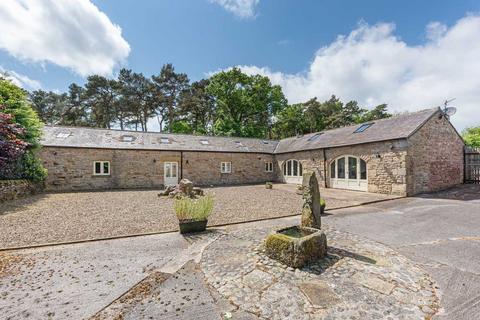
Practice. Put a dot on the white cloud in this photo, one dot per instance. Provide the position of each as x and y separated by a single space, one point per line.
373 66
20 79
241 8
73 34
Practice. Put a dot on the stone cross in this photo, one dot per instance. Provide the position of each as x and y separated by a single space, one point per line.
311 201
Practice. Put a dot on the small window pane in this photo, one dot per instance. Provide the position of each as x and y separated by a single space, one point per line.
341 168
300 170
271 166
284 168
106 168
332 170
168 170
289 167
174 170
98 167
352 168
295 168
363 169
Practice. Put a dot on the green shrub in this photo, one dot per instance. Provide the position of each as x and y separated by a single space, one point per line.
268 185
193 209
322 202
15 103
32 168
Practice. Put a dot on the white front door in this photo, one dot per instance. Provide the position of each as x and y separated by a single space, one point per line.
170 173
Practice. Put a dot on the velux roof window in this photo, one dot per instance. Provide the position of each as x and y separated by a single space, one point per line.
363 127
63 135
314 137
204 142
164 140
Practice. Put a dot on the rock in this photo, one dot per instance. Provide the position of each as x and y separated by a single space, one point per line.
311 211
167 191
198 192
186 187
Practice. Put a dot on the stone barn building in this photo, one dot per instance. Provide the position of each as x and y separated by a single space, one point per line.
403 155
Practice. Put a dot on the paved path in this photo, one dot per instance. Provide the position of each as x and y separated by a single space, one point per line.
443 235
77 281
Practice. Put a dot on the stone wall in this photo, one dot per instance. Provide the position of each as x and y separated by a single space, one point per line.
386 164
435 157
72 168
15 189
203 168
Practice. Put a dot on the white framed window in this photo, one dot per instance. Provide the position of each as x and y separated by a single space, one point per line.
268 166
226 167
101 168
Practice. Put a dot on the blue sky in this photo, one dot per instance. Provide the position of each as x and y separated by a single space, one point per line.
294 42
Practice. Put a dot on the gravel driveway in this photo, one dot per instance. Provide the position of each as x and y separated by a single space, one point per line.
62 217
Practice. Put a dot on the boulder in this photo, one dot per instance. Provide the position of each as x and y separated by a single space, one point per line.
186 187
311 210
167 191
198 191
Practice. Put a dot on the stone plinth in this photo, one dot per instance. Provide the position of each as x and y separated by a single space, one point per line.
295 246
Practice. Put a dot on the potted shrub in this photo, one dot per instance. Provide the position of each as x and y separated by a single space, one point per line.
323 204
193 214
268 185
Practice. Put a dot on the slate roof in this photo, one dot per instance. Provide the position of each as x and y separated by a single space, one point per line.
397 127
58 136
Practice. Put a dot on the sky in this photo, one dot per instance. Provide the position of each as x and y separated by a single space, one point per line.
409 54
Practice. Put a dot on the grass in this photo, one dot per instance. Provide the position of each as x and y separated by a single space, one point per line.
194 209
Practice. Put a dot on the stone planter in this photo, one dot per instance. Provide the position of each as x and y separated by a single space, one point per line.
295 246
191 226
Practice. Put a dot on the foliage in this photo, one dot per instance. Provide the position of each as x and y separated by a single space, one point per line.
315 116
471 136
32 168
20 134
229 103
11 147
194 209
15 101
322 202
245 105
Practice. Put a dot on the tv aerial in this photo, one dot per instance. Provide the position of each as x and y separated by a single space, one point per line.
448 111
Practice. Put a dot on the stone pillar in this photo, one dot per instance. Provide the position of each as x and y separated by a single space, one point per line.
311 202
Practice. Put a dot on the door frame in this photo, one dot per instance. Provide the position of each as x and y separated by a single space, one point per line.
347 183
168 181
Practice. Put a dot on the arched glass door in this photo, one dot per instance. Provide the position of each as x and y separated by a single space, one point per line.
292 171
349 172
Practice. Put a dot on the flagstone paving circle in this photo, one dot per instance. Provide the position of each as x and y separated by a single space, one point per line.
359 279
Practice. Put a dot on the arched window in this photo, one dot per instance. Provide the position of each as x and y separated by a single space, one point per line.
292 168
348 167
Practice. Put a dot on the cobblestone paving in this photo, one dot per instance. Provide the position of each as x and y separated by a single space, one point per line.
359 279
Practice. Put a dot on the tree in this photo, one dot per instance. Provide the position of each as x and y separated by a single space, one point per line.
170 85
379 112
12 148
15 103
196 109
101 96
471 136
245 105
290 121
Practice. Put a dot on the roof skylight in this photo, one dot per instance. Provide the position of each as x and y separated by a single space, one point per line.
363 127
204 141
314 137
164 140
128 138
63 135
